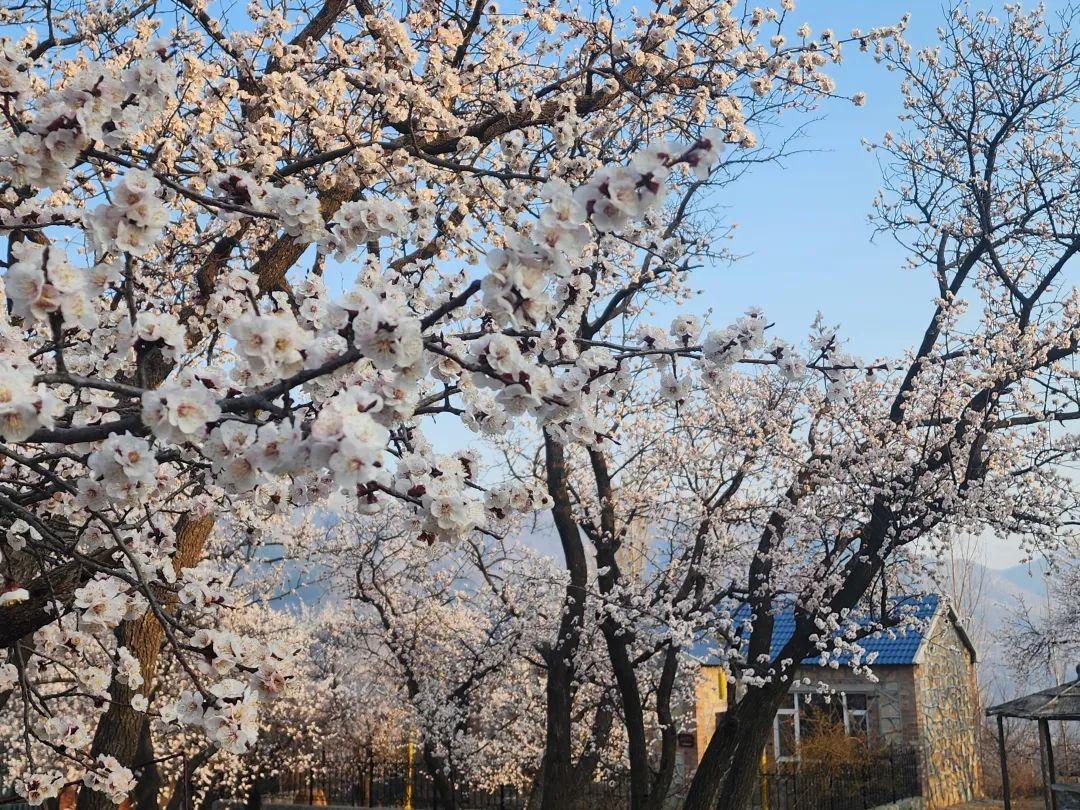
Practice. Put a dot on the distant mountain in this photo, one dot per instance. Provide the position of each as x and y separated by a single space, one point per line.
1003 591
1030 578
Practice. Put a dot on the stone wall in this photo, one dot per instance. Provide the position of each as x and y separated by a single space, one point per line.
946 693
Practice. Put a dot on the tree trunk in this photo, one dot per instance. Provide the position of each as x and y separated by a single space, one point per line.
149 777
444 788
119 729
559 776
560 788
254 797
668 735
617 639
728 770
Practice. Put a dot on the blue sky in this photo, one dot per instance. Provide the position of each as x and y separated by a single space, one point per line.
802 225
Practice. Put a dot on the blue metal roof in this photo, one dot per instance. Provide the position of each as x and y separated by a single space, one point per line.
894 647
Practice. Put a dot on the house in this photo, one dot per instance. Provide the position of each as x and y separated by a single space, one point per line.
925 698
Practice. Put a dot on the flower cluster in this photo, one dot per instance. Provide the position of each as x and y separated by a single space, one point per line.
180 410
133 220
296 210
96 105
122 469
228 711
350 441
24 406
108 776
42 282
357 223
37 788
272 344
105 601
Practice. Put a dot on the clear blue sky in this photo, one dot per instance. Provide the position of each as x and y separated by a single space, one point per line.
802 225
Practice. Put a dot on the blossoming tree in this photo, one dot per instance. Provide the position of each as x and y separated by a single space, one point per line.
456 625
242 275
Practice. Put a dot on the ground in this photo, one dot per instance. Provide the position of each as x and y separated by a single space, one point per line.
995 804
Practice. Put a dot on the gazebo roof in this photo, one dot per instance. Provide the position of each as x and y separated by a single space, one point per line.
1056 703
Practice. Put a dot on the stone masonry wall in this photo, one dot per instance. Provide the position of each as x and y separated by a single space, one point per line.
947 696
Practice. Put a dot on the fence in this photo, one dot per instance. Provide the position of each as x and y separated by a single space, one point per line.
883 778
364 783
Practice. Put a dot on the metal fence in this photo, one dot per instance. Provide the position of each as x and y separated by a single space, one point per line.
884 777
371 784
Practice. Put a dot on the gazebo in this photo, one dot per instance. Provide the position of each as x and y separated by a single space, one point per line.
1056 703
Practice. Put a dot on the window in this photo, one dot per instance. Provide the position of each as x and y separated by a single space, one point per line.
786 730
856 717
821 714
805 714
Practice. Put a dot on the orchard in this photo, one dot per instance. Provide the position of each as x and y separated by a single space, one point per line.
341 297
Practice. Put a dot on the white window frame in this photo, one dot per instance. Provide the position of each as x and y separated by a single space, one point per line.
794 712
849 713
776 729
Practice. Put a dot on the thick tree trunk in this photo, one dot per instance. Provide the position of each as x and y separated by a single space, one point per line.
561 782
437 770
254 797
668 735
618 640
560 787
728 770
119 729
149 777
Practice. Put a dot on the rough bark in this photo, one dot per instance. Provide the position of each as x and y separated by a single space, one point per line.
146 771
665 772
626 680
436 769
118 731
54 584
616 637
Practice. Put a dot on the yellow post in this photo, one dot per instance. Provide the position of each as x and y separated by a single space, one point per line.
764 782
409 776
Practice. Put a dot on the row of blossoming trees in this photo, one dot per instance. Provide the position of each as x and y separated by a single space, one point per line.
250 262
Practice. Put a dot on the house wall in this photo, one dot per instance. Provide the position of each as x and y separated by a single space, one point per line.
891 703
710 697
946 693
892 707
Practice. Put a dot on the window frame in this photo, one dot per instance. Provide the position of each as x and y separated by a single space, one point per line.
863 713
793 709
